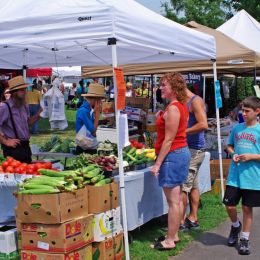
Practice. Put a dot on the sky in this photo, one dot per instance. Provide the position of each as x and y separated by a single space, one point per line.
155 5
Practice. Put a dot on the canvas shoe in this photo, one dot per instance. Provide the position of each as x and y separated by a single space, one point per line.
192 224
244 247
233 235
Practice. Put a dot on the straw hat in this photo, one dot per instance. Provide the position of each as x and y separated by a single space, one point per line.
95 90
17 83
7 91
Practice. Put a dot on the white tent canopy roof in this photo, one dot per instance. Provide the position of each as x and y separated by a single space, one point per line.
244 29
76 32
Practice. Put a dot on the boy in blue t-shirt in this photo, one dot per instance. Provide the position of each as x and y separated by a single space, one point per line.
243 180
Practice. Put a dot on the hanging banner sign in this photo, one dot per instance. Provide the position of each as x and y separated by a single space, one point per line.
121 89
194 82
218 98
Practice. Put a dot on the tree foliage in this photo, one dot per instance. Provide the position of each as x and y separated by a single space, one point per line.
211 13
252 7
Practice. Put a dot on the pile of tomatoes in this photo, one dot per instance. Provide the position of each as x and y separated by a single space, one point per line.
10 165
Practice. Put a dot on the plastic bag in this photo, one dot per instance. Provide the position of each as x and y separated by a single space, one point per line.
85 139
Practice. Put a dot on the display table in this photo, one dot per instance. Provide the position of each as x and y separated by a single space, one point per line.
145 200
38 154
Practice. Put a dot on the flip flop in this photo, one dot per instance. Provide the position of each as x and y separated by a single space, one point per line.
159 246
161 238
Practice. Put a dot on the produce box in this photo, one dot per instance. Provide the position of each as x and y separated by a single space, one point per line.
107 224
215 170
52 208
108 109
103 198
8 242
84 253
110 249
58 238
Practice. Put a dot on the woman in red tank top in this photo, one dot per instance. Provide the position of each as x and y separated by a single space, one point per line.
173 156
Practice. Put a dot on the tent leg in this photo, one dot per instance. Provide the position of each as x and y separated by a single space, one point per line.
120 158
219 136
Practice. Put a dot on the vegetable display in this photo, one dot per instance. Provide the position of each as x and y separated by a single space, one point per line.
56 145
10 165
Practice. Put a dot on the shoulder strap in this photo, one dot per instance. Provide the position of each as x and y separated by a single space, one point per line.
12 120
190 101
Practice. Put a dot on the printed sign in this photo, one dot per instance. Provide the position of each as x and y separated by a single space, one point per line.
218 98
121 89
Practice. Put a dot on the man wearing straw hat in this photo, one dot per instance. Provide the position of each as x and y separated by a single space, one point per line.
15 121
88 113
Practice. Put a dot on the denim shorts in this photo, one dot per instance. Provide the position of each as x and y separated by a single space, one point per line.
174 169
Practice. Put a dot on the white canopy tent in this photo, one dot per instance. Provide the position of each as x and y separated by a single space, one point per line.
243 28
95 32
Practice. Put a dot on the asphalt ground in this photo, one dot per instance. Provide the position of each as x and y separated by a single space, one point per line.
212 245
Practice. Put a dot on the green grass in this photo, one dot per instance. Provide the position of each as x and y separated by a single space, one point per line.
210 216
46 132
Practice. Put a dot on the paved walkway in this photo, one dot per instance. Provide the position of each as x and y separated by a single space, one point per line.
211 245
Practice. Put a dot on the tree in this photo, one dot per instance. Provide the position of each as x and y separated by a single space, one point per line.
211 13
252 7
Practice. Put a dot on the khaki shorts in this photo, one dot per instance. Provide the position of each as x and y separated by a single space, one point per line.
197 157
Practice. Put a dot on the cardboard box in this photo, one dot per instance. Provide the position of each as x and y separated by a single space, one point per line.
58 238
108 109
19 232
52 208
215 170
84 253
103 198
216 187
107 224
110 249
8 241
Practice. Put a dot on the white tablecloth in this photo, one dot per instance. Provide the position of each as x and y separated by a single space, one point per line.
145 200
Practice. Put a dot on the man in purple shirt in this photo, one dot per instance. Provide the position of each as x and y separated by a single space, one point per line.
15 121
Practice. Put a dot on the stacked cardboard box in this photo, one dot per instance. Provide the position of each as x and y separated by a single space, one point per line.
55 226
108 238
8 243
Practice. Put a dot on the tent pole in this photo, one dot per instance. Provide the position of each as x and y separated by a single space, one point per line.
255 76
120 158
152 91
204 87
24 72
219 137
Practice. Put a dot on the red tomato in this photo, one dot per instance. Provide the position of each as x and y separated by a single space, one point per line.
24 164
5 164
15 163
29 171
1 169
10 159
47 165
38 165
9 169
17 170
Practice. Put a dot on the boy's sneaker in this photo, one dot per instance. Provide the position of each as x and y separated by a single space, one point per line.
183 227
244 247
191 224
233 235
